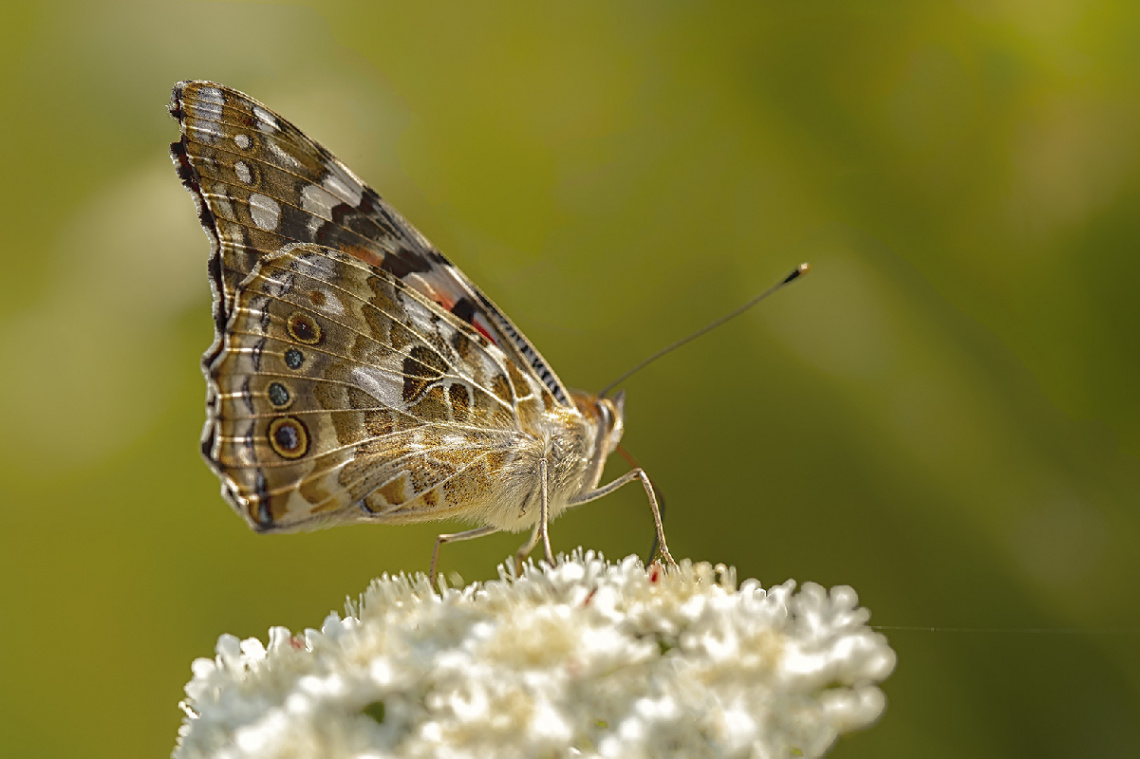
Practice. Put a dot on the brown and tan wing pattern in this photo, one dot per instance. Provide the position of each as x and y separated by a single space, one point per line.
355 373
344 395
261 185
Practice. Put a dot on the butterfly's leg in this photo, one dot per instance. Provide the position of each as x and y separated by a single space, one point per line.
524 551
625 479
454 537
544 510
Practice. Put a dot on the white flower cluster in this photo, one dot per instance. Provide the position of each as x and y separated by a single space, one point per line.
586 658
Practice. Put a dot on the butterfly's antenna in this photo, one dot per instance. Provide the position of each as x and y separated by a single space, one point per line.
799 271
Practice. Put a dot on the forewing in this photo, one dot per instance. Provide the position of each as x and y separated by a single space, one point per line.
261 185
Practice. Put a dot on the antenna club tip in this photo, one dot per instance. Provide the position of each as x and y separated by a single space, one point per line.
800 270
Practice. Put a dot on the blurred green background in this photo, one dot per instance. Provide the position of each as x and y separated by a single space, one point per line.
944 415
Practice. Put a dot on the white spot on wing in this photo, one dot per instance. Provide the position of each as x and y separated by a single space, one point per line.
317 201
282 156
344 187
205 130
487 360
204 115
212 95
242 172
332 304
264 211
265 117
383 387
243 141
419 315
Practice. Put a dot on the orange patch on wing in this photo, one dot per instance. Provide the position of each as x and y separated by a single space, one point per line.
367 255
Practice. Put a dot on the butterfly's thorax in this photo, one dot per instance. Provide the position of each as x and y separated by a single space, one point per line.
575 442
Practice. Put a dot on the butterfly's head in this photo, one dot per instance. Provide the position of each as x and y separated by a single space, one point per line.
606 415
615 413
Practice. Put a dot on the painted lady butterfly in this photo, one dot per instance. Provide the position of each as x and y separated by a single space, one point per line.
356 375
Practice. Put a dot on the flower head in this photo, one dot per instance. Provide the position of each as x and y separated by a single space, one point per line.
583 658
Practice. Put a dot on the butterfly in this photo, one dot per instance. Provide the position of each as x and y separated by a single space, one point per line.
357 375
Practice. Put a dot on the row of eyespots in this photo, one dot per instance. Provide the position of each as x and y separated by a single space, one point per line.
288 436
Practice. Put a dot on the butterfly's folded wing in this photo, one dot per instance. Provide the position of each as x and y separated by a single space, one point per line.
310 415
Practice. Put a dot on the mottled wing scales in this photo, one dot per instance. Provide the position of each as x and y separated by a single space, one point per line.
261 185
342 394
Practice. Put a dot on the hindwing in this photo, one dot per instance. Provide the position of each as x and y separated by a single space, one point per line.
342 393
